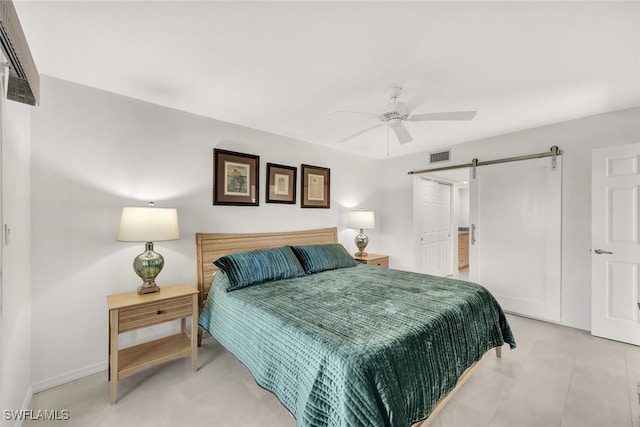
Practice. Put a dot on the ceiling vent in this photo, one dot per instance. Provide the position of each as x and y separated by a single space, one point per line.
440 156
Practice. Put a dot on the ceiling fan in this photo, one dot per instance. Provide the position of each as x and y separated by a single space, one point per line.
395 113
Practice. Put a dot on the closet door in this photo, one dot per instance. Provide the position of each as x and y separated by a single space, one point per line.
515 235
615 234
435 228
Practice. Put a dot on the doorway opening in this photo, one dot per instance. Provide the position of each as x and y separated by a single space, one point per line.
441 223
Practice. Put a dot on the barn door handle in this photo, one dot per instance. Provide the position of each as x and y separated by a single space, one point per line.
600 252
473 234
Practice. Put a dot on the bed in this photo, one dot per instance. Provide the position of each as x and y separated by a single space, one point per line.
355 345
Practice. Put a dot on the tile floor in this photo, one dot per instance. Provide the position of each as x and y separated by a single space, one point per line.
557 376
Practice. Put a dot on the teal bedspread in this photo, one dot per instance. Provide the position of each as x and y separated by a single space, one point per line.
360 346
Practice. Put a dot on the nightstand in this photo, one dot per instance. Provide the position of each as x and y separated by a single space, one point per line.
130 311
373 259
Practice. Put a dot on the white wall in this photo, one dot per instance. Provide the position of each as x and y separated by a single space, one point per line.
577 138
93 153
16 265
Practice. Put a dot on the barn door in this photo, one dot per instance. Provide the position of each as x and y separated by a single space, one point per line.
515 235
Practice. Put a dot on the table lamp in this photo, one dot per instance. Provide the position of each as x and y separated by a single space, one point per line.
361 219
148 224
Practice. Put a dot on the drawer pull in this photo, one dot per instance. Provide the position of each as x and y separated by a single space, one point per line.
159 311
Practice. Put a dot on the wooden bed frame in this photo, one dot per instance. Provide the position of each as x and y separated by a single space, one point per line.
211 246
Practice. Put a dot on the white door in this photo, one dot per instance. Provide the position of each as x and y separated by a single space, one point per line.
515 235
615 256
435 228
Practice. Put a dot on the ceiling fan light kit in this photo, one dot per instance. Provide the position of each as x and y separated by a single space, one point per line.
394 113
394 122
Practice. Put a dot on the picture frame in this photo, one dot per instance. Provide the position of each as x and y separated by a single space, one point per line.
316 187
281 184
236 178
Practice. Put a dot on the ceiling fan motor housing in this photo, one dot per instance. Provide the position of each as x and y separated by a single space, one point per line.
393 111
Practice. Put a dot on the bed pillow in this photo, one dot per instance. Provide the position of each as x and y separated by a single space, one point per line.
317 258
250 268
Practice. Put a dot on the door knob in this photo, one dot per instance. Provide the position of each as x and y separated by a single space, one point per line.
600 252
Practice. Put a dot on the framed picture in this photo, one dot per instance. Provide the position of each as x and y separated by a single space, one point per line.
281 183
316 187
235 178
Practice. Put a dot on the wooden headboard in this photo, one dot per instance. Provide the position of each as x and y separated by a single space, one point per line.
211 246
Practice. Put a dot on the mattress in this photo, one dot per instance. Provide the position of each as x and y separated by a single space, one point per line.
359 346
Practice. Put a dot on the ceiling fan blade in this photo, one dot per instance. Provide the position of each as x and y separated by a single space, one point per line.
402 133
450 115
352 112
415 102
430 90
353 135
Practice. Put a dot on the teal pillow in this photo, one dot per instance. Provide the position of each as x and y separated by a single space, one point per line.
316 258
250 268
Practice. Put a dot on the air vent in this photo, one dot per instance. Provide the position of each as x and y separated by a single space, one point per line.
24 81
440 156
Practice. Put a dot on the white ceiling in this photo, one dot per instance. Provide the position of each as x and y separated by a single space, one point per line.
281 66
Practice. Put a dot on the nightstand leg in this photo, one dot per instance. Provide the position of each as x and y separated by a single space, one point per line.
194 335
109 359
113 355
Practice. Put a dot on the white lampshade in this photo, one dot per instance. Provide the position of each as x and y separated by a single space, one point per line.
148 224
361 219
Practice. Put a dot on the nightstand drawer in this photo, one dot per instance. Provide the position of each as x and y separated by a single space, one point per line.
150 314
383 262
373 259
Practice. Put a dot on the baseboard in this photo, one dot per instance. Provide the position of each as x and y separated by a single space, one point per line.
56 381
25 405
68 377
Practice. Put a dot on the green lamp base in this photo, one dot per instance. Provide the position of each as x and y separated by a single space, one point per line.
148 265
361 241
